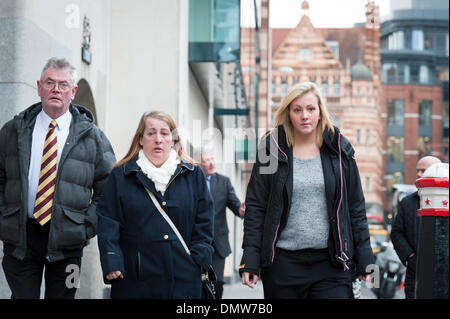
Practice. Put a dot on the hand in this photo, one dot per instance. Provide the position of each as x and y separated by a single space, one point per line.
114 275
249 279
242 209
364 277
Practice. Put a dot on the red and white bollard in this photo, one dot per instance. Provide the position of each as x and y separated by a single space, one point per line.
432 269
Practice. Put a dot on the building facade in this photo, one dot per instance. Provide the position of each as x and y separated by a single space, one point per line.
414 70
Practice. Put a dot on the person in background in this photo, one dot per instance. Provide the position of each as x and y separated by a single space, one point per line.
405 232
141 255
305 226
224 196
54 162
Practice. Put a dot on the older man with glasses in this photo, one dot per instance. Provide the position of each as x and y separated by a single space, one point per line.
53 164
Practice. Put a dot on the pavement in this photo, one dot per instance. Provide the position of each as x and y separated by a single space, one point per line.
238 291
234 290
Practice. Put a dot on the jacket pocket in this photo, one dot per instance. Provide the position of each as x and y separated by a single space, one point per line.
9 225
155 259
71 232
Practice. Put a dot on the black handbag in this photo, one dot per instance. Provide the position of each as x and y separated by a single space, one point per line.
207 276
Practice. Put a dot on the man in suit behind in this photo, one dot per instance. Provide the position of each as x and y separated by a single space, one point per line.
405 230
224 196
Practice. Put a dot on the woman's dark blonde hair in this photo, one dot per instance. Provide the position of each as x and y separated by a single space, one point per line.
282 114
135 146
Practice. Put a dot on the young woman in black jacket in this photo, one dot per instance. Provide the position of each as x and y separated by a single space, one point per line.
305 229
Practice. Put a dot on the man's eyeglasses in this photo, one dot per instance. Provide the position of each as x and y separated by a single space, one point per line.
63 86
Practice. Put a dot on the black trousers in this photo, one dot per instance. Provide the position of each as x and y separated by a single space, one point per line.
218 264
305 274
410 284
24 277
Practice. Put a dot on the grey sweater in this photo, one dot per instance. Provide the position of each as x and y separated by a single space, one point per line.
307 224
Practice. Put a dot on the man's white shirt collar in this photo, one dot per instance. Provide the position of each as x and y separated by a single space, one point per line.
63 121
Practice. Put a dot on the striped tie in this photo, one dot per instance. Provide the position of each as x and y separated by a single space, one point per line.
46 188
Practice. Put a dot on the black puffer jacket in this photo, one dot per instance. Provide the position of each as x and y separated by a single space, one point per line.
86 161
269 197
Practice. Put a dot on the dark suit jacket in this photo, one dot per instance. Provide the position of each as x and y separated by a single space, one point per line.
224 196
404 233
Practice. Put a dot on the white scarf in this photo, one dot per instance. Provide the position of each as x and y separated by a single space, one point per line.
159 175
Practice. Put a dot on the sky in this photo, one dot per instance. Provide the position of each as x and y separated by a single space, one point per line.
323 13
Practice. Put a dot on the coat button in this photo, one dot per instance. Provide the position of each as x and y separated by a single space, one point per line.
164 203
166 236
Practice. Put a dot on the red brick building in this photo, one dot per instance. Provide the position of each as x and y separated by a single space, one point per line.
414 52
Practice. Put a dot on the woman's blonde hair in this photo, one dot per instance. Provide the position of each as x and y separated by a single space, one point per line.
135 146
282 114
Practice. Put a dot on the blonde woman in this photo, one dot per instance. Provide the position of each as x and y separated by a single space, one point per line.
141 255
305 228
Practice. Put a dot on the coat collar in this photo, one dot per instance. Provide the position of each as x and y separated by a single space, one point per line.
337 142
275 142
80 115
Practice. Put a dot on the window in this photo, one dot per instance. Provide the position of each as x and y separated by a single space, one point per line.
399 73
428 43
414 71
334 46
439 47
424 145
358 136
336 88
389 73
396 40
408 36
399 39
324 87
417 40
446 44
214 31
395 112
274 88
283 88
406 73
395 148
385 42
425 113
418 73
367 136
423 74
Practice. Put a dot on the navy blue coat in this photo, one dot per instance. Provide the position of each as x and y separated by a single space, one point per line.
134 238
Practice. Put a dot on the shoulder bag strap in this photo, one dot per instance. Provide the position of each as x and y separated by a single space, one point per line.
168 220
